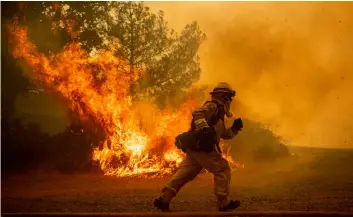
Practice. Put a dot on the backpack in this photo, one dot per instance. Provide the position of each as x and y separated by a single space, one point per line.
203 140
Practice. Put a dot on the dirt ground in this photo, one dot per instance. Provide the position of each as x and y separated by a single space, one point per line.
317 180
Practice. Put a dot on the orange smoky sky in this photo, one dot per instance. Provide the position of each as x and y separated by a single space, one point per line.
290 63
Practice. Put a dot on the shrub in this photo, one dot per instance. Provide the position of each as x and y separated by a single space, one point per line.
257 143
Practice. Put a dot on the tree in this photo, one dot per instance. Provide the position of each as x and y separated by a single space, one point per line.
12 80
169 59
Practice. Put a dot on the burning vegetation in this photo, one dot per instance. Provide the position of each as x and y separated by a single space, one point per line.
127 149
97 88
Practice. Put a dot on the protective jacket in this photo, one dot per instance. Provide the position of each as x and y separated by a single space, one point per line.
211 114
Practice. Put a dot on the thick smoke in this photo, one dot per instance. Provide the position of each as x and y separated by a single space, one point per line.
290 63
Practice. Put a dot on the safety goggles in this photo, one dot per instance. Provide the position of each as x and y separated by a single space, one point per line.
228 97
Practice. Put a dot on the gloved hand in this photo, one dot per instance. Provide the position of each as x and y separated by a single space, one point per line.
237 125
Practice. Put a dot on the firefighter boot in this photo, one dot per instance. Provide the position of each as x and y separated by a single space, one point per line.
233 204
159 204
162 203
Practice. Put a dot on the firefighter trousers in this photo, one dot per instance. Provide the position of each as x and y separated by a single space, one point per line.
191 166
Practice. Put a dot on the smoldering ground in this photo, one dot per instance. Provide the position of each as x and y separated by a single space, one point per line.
289 62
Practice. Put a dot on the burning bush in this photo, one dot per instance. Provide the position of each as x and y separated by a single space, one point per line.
126 147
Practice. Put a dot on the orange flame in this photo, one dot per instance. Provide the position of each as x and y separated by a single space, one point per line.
98 87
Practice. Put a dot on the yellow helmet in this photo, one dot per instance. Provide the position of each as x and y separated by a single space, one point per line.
223 87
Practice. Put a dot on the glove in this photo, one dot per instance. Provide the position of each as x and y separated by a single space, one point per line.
237 125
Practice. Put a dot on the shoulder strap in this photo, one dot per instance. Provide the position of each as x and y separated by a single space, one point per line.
217 115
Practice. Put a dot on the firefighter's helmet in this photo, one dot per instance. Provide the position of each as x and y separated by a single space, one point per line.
223 87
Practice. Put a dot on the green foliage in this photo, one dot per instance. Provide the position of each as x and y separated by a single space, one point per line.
177 69
169 59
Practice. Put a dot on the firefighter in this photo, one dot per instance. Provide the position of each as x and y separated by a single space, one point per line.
209 119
